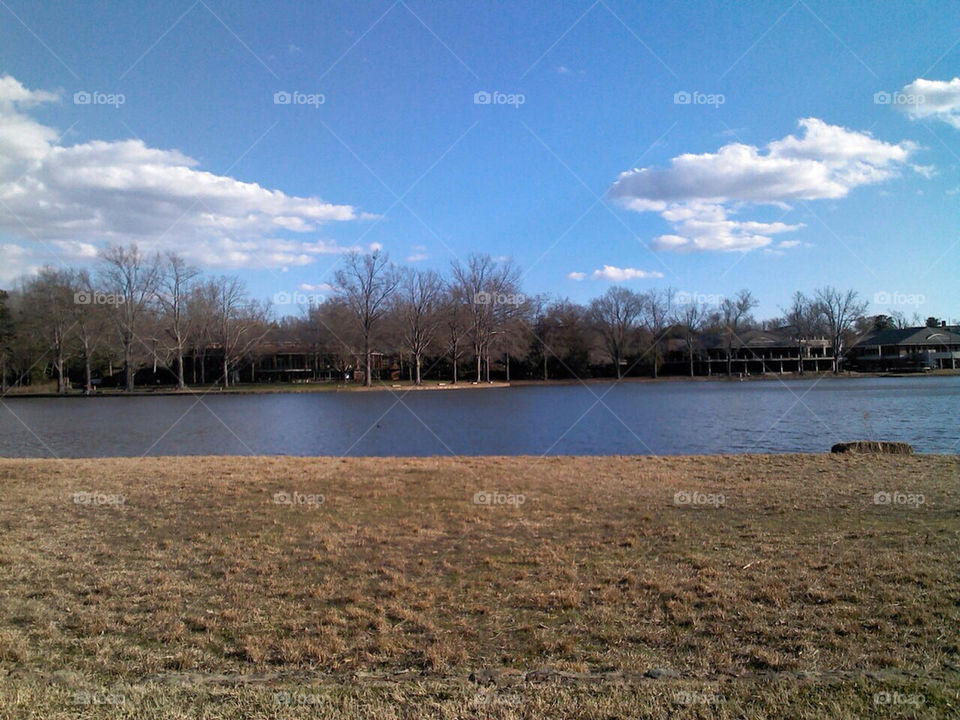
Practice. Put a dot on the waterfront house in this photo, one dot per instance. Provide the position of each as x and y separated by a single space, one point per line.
907 349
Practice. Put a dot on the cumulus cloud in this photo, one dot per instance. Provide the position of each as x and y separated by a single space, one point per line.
101 191
936 99
698 194
419 254
320 287
615 274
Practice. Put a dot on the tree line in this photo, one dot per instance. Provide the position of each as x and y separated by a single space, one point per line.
134 311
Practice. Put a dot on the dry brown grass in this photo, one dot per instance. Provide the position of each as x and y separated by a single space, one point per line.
199 591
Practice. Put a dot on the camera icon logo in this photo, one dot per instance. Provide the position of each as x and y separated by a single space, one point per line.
482 498
481 98
281 298
681 498
282 498
482 298
281 97
82 298
681 98
82 97
882 498
882 98
881 298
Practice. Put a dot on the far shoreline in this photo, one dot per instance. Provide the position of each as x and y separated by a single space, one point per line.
440 385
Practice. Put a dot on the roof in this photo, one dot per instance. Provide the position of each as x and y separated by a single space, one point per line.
779 337
911 336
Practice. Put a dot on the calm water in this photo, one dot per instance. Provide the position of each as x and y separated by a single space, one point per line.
632 418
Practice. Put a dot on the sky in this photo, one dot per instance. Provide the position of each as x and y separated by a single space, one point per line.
703 146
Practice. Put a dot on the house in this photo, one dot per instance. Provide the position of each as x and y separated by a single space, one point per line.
907 349
757 352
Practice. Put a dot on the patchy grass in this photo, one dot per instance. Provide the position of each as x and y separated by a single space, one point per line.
182 589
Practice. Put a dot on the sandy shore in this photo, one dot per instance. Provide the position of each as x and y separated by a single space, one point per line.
801 586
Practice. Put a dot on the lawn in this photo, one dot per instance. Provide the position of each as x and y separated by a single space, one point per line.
800 586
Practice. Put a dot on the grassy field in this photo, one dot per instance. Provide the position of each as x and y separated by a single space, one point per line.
721 587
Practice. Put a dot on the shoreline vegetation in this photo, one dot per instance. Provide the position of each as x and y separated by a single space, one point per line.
756 586
406 385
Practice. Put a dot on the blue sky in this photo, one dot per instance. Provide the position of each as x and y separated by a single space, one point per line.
199 157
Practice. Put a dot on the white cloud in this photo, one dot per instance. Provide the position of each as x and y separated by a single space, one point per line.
578 276
123 190
419 254
320 287
937 99
615 274
697 194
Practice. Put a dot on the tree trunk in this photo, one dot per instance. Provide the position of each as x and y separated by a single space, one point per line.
3 373
544 363
181 383
87 380
226 366
416 362
619 371
691 361
479 364
61 386
455 356
127 365
508 367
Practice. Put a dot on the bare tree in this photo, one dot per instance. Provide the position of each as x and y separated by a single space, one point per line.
840 311
657 311
132 279
690 318
48 301
615 315
734 314
805 319
490 290
176 280
366 284
227 297
456 326
420 294
92 321
8 334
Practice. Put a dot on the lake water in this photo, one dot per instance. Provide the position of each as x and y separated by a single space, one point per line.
667 417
